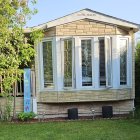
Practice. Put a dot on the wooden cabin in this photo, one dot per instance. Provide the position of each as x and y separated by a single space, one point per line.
85 60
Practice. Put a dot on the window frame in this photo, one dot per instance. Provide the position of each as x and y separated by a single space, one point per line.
92 62
109 45
77 78
127 66
106 68
73 63
42 67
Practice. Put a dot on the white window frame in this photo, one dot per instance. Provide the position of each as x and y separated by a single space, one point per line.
73 62
42 67
92 61
106 68
77 68
128 66
110 45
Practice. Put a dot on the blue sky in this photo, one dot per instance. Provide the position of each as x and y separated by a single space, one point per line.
52 9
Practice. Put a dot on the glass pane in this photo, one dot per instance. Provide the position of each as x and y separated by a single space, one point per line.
102 62
68 63
86 63
48 64
109 61
123 62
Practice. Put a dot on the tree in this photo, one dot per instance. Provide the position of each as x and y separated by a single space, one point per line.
16 49
137 73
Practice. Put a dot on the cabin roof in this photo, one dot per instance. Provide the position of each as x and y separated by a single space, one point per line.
87 14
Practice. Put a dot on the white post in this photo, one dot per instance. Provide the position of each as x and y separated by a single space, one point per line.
34 105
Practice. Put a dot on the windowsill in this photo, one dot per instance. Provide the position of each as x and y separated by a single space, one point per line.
87 89
124 86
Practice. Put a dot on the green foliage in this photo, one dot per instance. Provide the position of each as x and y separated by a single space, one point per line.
5 110
26 116
137 113
36 35
16 46
137 52
137 73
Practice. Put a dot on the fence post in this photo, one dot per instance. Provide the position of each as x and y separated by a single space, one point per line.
14 107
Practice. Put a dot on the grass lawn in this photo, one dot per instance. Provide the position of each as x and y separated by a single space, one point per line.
73 130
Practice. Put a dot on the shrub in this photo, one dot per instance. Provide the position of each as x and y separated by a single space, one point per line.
5 110
137 113
23 116
134 114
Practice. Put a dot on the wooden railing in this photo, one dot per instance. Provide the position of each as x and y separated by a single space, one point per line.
18 86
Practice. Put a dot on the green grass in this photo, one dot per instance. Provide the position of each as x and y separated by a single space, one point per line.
73 130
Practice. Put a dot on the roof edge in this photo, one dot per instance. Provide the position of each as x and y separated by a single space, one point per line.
45 25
